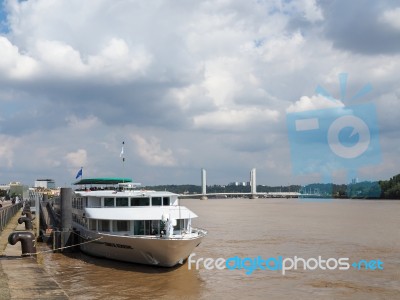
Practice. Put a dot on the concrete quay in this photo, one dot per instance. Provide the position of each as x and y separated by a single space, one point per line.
22 277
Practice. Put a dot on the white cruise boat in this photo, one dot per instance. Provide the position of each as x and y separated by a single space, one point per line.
133 225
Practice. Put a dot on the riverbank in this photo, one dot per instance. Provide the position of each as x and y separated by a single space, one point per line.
23 277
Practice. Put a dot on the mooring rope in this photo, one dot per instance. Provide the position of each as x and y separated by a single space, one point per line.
51 250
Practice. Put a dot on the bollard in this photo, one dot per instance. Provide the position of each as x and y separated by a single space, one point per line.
26 209
27 240
27 221
28 214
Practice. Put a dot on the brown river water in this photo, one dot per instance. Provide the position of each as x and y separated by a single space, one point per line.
269 228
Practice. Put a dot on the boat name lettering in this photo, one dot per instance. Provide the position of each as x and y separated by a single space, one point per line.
118 245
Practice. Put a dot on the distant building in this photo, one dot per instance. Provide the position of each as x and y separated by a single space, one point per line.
5 187
242 183
45 183
354 180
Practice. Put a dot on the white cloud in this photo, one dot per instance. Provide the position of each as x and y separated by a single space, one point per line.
13 64
235 119
282 50
391 17
46 157
192 99
7 148
306 103
76 159
117 60
51 58
114 61
308 9
222 79
82 124
312 12
151 151
58 57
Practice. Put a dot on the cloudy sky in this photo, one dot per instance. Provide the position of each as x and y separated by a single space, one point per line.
187 85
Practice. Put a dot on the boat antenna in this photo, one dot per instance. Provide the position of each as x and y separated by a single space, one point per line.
123 160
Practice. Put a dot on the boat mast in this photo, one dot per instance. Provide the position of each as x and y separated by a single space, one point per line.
123 161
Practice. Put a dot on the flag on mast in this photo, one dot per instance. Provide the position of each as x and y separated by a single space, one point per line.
79 174
122 152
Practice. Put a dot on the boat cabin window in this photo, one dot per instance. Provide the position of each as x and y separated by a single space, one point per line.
108 202
122 202
94 202
165 201
140 201
138 227
156 201
120 226
104 225
77 202
147 227
92 224
155 227
180 224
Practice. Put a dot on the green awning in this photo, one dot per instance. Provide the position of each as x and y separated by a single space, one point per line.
107 180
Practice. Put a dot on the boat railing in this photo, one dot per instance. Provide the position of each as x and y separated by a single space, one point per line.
199 230
194 231
184 234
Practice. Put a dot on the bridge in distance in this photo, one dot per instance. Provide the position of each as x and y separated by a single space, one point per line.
250 195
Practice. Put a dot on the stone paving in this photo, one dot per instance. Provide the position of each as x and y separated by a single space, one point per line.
22 277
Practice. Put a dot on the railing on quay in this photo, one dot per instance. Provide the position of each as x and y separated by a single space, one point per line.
6 213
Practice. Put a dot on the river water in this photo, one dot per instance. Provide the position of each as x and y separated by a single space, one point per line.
366 230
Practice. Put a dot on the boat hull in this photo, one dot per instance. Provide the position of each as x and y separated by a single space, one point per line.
150 250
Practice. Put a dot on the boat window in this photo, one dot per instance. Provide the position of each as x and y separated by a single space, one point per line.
122 201
147 227
104 225
120 226
155 227
156 201
165 201
140 201
94 202
77 202
180 224
92 224
109 202
138 227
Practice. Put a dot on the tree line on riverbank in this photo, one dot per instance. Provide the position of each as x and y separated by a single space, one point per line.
390 188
